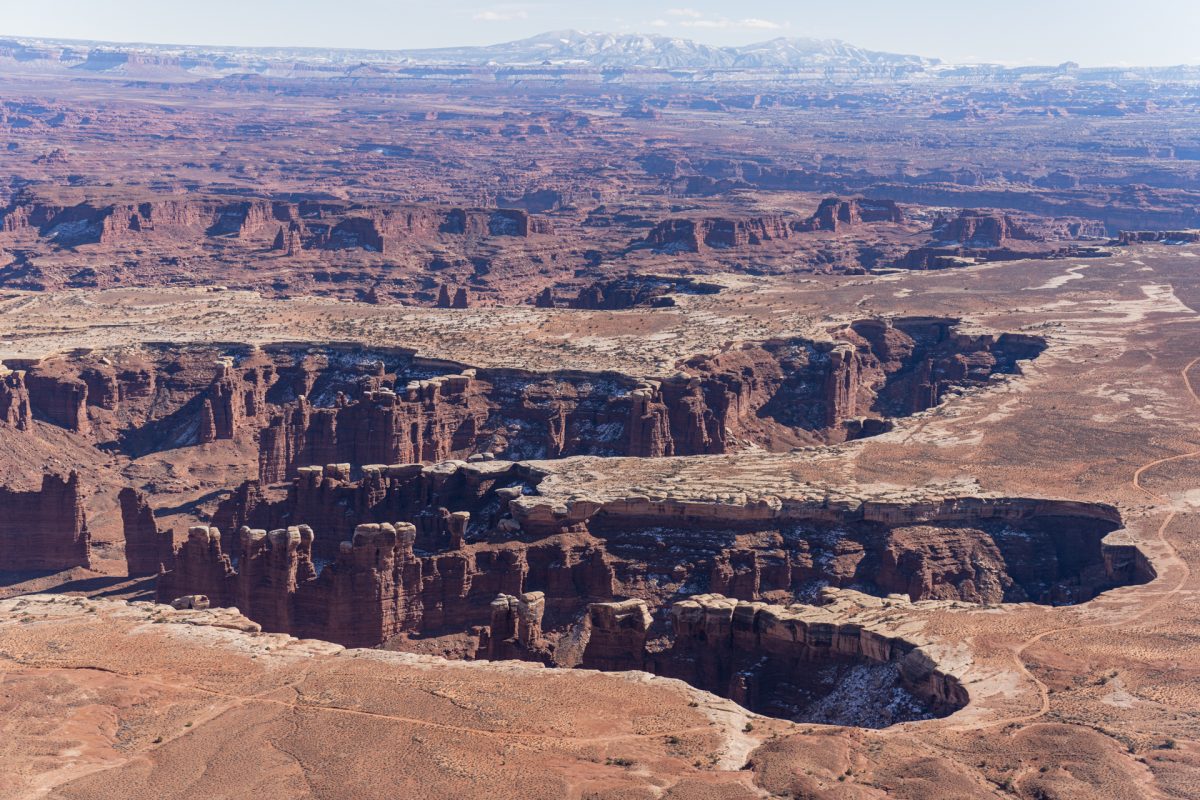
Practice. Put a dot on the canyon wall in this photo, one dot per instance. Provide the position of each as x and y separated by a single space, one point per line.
782 661
835 214
314 224
775 659
148 550
775 394
697 235
422 550
44 529
15 410
304 405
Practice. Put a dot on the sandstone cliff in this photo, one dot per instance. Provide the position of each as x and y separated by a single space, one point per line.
309 224
15 409
44 529
148 550
427 549
834 214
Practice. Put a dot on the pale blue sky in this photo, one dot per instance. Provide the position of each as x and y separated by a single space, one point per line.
1092 32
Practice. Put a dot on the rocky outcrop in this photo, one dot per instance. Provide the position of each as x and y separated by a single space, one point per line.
438 499
413 549
950 257
200 567
617 635
288 240
1174 237
308 405
58 397
975 236
234 396
776 394
15 409
44 529
983 550
835 214
429 420
460 298
515 632
698 235
631 291
981 229
307 224
427 572
148 551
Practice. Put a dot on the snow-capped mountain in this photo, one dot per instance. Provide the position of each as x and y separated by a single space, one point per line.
783 52
664 52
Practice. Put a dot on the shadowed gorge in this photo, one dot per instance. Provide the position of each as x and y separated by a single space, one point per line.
306 405
476 559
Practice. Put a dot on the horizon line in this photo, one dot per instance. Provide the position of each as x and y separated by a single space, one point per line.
132 43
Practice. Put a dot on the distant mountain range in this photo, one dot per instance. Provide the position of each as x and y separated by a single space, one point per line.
559 55
664 52
558 48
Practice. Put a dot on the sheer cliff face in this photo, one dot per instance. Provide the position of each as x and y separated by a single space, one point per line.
15 411
782 661
318 224
773 395
302 406
730 233
44 529
307 406
148 550
411 549
697 235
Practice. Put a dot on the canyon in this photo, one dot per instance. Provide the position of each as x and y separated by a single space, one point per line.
304 405
633 419
482 565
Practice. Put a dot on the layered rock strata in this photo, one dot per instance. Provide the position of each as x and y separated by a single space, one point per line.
302 405
775 394
784 661
44 529
412 550
15 409
698 235
835 214
975 236
295 226
148 550
688 235
1176 237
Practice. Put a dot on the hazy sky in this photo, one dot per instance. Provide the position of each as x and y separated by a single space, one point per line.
1012 31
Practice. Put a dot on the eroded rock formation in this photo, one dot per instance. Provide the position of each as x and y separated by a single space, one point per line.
777 394
307 224
631 291
835 214
303 405
785 661
1177 237
44 529
697 235
462 533
57 396
975 236
15 409
148 550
